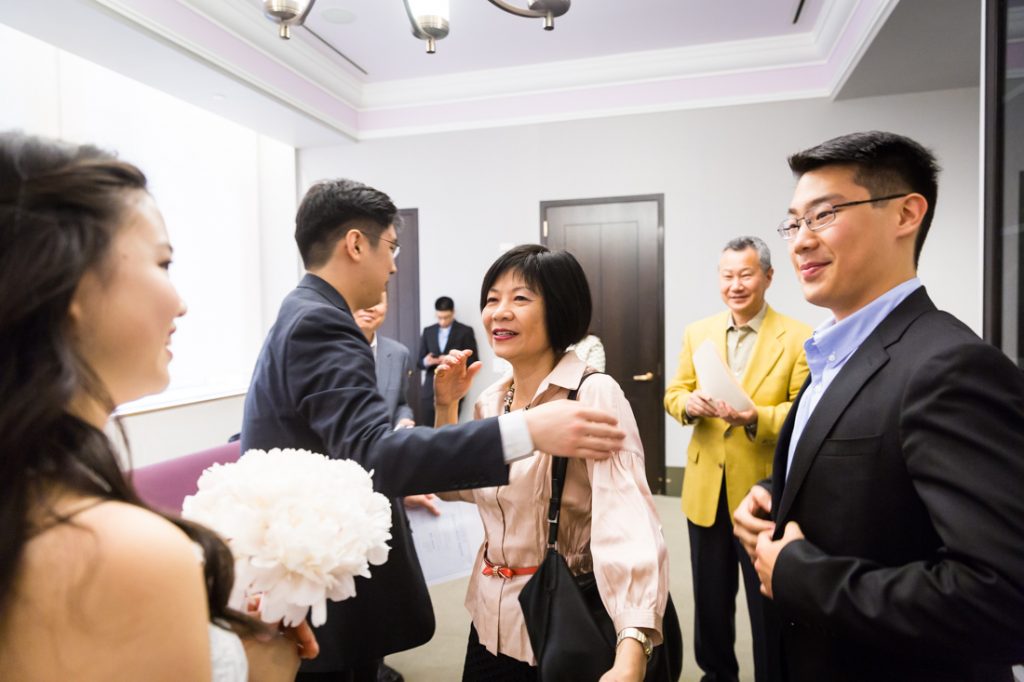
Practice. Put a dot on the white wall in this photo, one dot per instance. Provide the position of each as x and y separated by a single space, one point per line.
722 172
228 196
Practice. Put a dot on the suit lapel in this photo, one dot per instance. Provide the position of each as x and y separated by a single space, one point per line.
768 349
865 363
866 360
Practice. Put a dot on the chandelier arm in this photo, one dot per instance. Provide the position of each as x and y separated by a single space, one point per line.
302 19
520 11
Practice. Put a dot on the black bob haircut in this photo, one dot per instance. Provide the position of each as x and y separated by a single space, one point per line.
885 163
333 207
557 277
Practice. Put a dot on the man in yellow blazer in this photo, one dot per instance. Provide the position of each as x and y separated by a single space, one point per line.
730 451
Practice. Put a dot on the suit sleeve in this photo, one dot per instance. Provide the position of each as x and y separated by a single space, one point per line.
330 380
684 383
962 438
770 418
403 411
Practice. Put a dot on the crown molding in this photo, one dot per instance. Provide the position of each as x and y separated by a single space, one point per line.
309 78
308 58
873 15
164 30
681 105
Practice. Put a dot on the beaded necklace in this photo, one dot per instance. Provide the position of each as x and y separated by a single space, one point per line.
510 394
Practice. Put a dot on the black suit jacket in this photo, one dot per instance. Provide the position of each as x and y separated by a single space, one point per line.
314 387
908 482
461 337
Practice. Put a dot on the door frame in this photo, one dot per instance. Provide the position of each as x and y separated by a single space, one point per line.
659 199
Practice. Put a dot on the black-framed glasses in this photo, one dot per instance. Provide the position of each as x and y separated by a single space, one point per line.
394 252
823 215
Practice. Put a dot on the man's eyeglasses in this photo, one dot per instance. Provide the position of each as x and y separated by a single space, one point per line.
823 215
394 251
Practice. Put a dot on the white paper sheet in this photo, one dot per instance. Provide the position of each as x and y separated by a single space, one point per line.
446 544
716 380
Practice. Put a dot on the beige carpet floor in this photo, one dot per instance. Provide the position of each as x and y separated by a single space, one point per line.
440 660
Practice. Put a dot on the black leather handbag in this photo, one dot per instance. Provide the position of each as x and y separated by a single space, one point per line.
571 633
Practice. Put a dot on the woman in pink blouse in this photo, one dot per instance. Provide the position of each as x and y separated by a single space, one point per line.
535 303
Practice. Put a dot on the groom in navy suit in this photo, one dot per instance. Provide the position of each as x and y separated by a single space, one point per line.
314 388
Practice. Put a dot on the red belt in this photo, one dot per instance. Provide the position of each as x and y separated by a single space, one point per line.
506 572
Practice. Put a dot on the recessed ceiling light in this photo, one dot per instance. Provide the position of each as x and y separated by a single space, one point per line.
337 15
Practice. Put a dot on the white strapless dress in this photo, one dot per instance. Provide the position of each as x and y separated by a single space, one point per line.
228 656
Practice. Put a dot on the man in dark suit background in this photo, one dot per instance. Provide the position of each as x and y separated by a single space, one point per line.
314 387
895 547
436 340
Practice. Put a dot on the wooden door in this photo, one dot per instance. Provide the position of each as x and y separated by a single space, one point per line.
403 320
618 241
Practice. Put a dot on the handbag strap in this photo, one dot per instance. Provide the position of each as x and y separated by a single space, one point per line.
558 467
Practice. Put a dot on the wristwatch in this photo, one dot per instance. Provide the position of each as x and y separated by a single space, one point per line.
638 635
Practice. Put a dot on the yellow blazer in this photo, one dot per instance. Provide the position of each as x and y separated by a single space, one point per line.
776 371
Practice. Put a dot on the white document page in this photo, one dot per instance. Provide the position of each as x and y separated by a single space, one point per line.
446 544
717 380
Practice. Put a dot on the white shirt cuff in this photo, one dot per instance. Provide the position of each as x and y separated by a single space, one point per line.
516 442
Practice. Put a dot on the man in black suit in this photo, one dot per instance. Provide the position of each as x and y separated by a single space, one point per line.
895 546
314 388
436 340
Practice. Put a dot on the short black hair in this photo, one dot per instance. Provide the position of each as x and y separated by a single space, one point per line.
559 278
886 163
444 304
331 208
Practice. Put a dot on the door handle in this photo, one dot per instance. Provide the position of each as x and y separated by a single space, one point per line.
649 376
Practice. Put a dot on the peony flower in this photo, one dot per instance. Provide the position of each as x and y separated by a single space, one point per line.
301 527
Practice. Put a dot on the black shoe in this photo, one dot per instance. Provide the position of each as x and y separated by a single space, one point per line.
385 673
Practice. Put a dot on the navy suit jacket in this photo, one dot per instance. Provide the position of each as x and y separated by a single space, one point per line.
461 337
908 481
314 387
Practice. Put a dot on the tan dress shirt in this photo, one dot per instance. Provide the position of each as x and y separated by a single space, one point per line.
739 342
608 524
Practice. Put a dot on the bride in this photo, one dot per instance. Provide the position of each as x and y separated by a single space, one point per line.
93 584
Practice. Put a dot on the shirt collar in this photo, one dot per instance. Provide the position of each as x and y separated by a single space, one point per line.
754 323
836 341
567 374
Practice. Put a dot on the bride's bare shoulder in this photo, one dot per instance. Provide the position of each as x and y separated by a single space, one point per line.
114 575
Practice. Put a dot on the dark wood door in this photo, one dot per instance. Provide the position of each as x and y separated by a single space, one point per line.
618 241
403 320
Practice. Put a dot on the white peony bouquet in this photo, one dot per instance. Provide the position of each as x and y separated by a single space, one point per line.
301 527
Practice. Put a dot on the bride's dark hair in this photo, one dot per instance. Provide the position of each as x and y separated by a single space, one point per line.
60 208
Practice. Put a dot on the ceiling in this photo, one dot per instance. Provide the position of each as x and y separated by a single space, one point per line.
369 77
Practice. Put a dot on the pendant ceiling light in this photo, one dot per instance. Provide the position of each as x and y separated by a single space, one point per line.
429 18
287 13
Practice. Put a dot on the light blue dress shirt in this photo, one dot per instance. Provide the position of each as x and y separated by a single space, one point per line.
832 344
442 337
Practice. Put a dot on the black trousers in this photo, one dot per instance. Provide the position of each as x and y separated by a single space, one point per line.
362 672
717 558
483 666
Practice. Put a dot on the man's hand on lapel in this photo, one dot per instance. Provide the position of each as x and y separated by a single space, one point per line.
768 551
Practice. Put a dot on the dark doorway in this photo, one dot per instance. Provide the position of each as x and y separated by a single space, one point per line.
403 320
619 243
